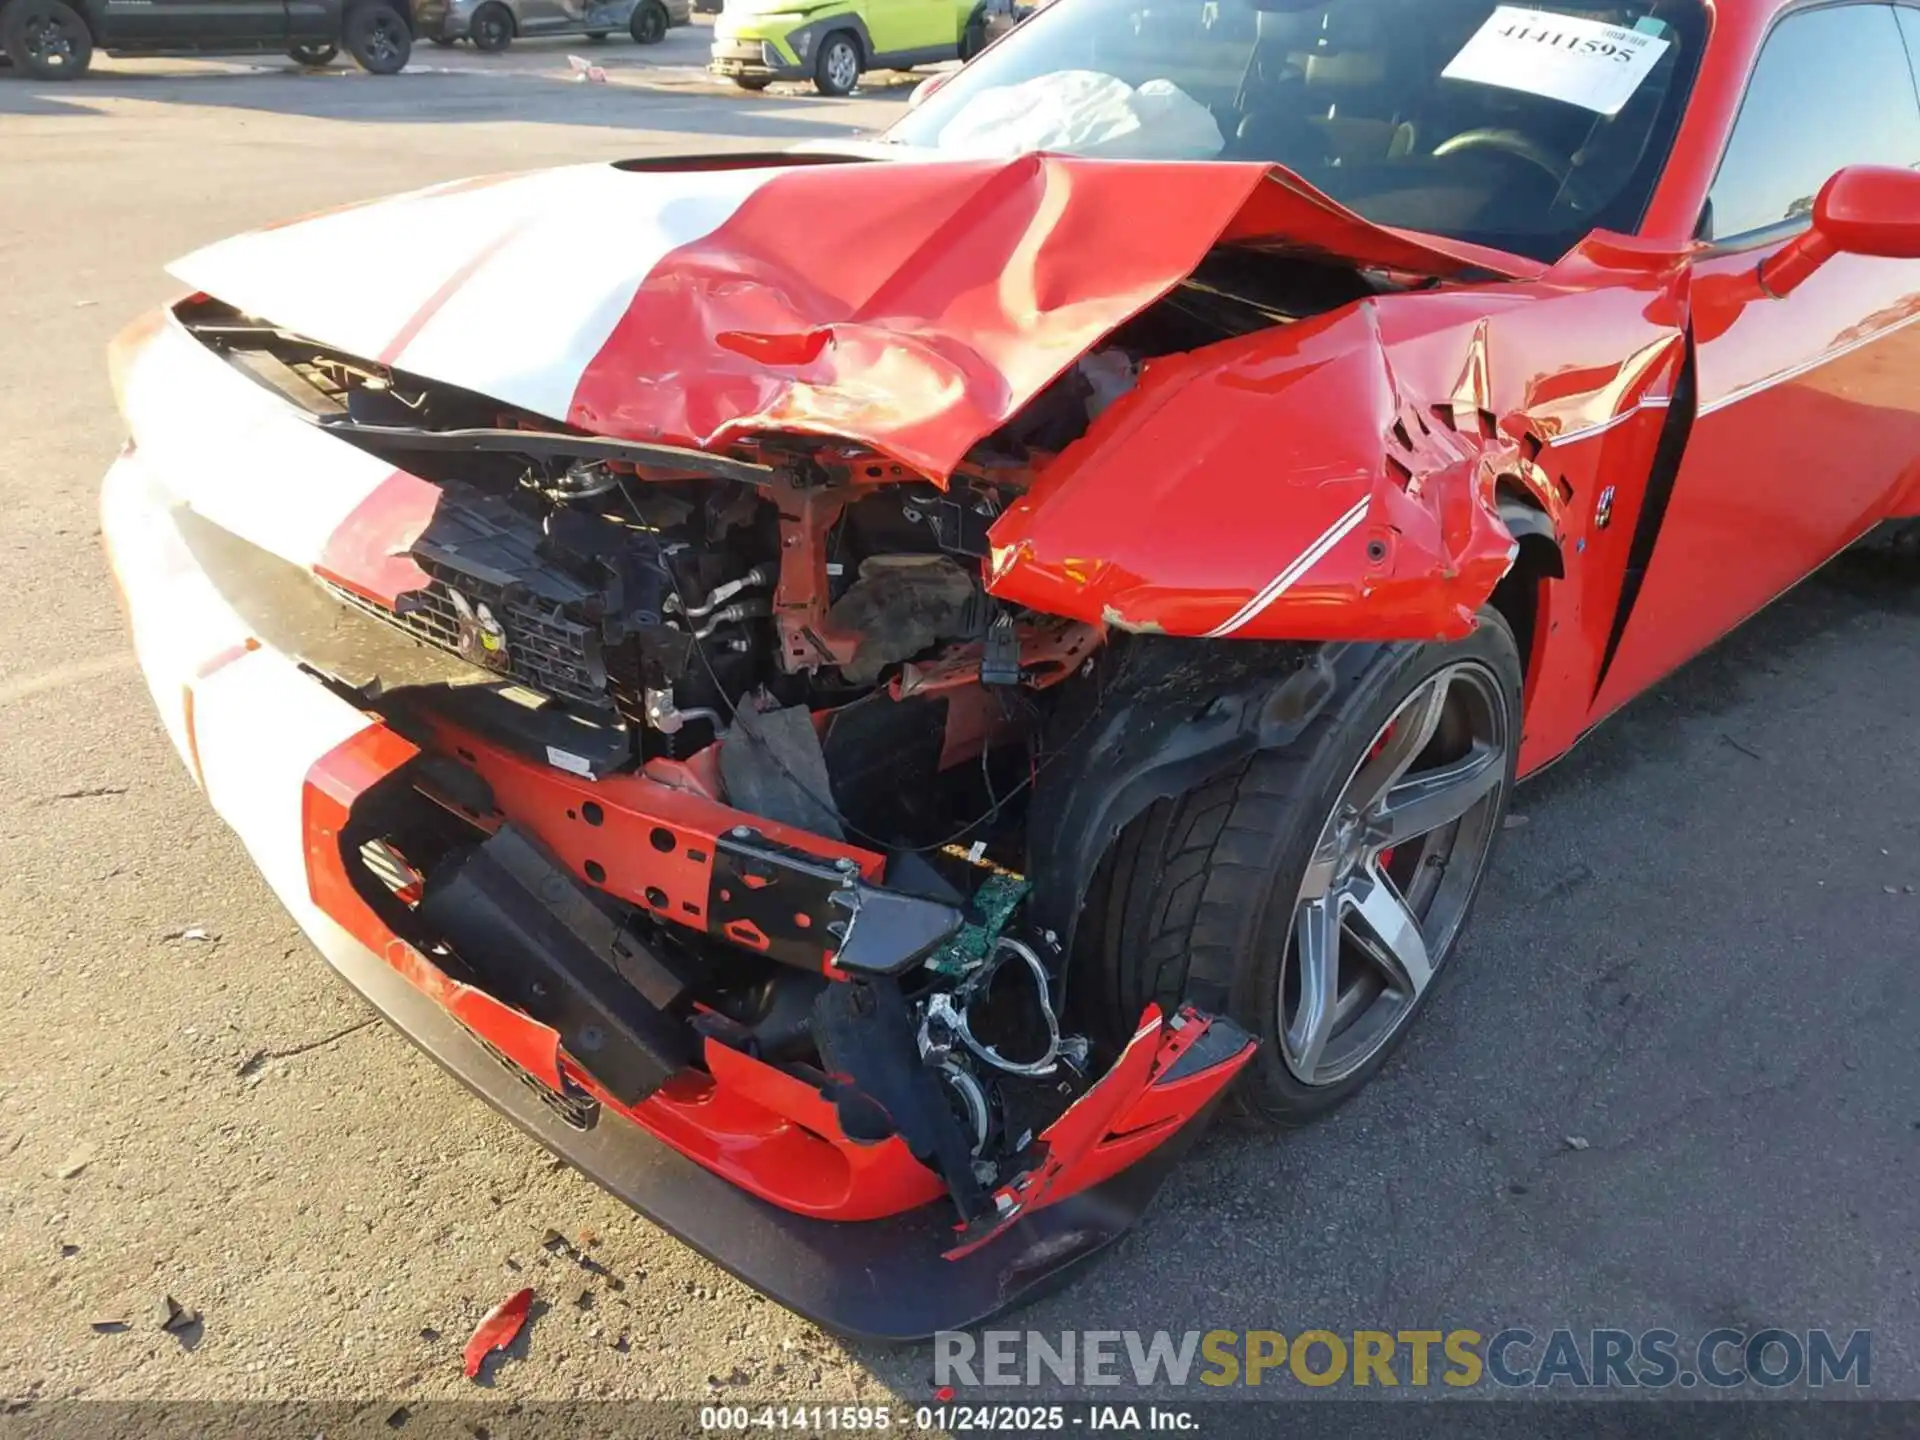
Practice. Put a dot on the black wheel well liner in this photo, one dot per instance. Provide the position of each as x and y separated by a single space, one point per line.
1160 716
1518 595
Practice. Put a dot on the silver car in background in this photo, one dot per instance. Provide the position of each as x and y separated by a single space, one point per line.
492 24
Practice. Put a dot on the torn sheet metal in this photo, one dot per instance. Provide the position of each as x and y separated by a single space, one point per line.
1340 478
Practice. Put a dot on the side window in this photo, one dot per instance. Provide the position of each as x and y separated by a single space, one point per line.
1832 88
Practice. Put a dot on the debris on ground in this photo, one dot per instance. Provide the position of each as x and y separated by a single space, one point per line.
170 1315
193 932
1514 822
107 1327
585 70
68 1250
1576 1142
497 1330
81 1157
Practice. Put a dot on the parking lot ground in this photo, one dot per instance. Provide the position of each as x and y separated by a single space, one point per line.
1698 955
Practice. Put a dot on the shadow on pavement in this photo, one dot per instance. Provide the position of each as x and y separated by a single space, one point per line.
465 97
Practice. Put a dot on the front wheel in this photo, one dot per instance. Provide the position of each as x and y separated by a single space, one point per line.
649 23
491 29
378 38
837 70
46 39
1314 893
313 53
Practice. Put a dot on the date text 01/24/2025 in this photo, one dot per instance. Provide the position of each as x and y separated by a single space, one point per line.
946 1418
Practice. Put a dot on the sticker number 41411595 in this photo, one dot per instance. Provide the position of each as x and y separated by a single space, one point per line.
1562 57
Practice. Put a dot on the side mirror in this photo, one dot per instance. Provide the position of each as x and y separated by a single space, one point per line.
924 90
1862 210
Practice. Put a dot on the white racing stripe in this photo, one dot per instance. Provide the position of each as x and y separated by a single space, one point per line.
564 290
354 277
508 288
1290 576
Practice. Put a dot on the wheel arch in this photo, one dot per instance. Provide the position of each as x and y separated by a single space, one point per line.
405 7
1520 597
1160 715
855 30
513 17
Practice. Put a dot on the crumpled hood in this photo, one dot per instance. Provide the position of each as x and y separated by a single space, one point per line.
913 305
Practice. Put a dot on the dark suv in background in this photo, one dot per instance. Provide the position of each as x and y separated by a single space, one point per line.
55 39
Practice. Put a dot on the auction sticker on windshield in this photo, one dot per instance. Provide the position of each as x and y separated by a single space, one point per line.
1563 57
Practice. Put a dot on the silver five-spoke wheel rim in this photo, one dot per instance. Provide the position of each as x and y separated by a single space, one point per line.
843 67
1393 872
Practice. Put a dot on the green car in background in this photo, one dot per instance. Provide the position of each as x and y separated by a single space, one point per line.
830 42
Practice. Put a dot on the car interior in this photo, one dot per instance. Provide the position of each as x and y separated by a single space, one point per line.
1350 95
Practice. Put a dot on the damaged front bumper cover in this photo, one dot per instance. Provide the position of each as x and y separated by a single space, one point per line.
743 1160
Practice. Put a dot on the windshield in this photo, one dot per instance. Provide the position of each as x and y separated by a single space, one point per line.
1512 127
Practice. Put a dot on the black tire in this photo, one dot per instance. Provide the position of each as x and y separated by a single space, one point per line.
491 29
836 69
752 82
378 38
46 39
598 37
1196 900
649 23
444 42
313 54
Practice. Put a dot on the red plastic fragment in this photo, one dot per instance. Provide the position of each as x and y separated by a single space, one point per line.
498 1330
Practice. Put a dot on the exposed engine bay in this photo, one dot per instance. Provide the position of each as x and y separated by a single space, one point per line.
706 705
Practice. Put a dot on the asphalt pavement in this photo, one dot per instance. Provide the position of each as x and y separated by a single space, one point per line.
1697 958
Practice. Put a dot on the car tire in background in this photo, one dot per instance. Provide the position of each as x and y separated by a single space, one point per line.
1224 896
491 29
445 42
46 39
649 23
378 37
836 69
313 54
753 82
598 37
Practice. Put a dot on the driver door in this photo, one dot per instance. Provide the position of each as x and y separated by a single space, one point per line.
1807 408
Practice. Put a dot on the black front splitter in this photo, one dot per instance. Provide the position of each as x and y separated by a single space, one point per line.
876 1279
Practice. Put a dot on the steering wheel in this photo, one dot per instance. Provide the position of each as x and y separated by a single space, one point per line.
1510 142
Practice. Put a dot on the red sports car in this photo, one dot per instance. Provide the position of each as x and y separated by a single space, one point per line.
859 704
